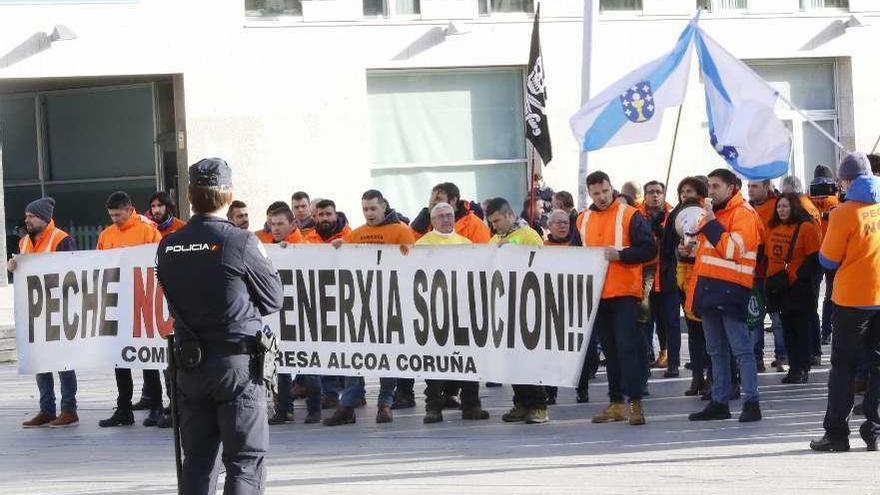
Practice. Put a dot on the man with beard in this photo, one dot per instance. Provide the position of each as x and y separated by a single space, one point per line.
238 214
43 237
331 226
163 211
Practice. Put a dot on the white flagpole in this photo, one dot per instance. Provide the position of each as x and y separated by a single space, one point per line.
591 14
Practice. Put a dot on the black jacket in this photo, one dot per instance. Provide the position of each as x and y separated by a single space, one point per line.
217 279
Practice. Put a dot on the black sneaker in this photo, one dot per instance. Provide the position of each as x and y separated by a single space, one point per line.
868 435
280 418
165 421
583 396
141 405
313 417
826 444
713 411
492 384
153 417
121 417
751 412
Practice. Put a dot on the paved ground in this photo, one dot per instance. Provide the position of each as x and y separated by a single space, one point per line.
568 455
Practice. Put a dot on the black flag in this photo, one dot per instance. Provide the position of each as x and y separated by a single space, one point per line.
537 131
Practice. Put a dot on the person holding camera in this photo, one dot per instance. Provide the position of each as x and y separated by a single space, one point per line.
824 193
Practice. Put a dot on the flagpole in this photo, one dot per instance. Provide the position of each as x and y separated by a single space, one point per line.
590 16
672 152
876 143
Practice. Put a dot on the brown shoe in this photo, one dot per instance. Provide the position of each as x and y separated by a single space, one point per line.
39 420
636 413
474 413
67 418
662 361
696 386
342 416
616 411
384 415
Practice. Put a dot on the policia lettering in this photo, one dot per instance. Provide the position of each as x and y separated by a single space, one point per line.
361 306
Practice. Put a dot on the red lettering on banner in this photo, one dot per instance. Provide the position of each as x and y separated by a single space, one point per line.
165 326
142 303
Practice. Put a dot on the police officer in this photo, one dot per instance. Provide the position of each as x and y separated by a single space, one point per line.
218 282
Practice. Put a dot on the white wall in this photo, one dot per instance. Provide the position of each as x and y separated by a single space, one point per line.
287 105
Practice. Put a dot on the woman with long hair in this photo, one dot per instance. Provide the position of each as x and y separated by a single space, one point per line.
793 267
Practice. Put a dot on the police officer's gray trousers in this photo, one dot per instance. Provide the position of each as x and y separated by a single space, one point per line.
223 401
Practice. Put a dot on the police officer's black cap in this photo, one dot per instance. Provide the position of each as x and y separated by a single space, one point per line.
210 172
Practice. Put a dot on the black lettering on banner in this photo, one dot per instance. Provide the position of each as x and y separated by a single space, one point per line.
420 329
555 324
456 364
460 334
470 366
333 361
580 300
395 314
70 324
364 288
287 329
497 323
346 306
35 303
383 362
108 300
401 362
305 305
530 286
570 293
438 285
53 306
89 302
481 331
129 353
328 304
380 314
511 310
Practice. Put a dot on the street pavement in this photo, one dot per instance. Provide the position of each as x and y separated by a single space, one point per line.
568 455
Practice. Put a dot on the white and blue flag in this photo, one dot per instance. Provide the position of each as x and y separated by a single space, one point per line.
631 110
743 127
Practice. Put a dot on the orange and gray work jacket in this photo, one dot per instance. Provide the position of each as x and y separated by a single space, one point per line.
50 240
619 226
726 259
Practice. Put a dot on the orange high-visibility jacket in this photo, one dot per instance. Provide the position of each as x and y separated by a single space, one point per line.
727 252
47 242
134 232
612 228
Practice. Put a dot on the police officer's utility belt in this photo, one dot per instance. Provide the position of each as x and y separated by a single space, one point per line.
191 354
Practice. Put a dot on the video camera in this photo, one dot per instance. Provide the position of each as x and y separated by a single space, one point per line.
823 189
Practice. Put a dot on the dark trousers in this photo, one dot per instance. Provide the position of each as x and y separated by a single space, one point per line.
405 388
827 305
591 361
436 391
312 384
529 396
125 387
666 308
697 347
624 347
223 401
815 325
796 329
856 337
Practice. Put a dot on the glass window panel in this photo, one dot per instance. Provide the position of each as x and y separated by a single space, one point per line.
824 4
818 150
374 7
407 6
446 117
103 133
82 205
407 189
18 139
15 198
620 5
273 7
809 86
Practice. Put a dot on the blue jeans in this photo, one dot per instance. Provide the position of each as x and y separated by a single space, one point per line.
46 386
778 337
668 316
312 383
827 305
331 386
354 391
726 332
624 346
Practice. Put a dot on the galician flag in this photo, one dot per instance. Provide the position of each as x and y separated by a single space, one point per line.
743 127
631 110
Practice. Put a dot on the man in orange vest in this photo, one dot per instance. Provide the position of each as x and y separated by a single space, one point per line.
281 224
163 211
852 247
628 243
130 229
43 237
383 226
723 276
301 206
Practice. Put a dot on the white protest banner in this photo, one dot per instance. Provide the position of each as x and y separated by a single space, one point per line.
512 314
